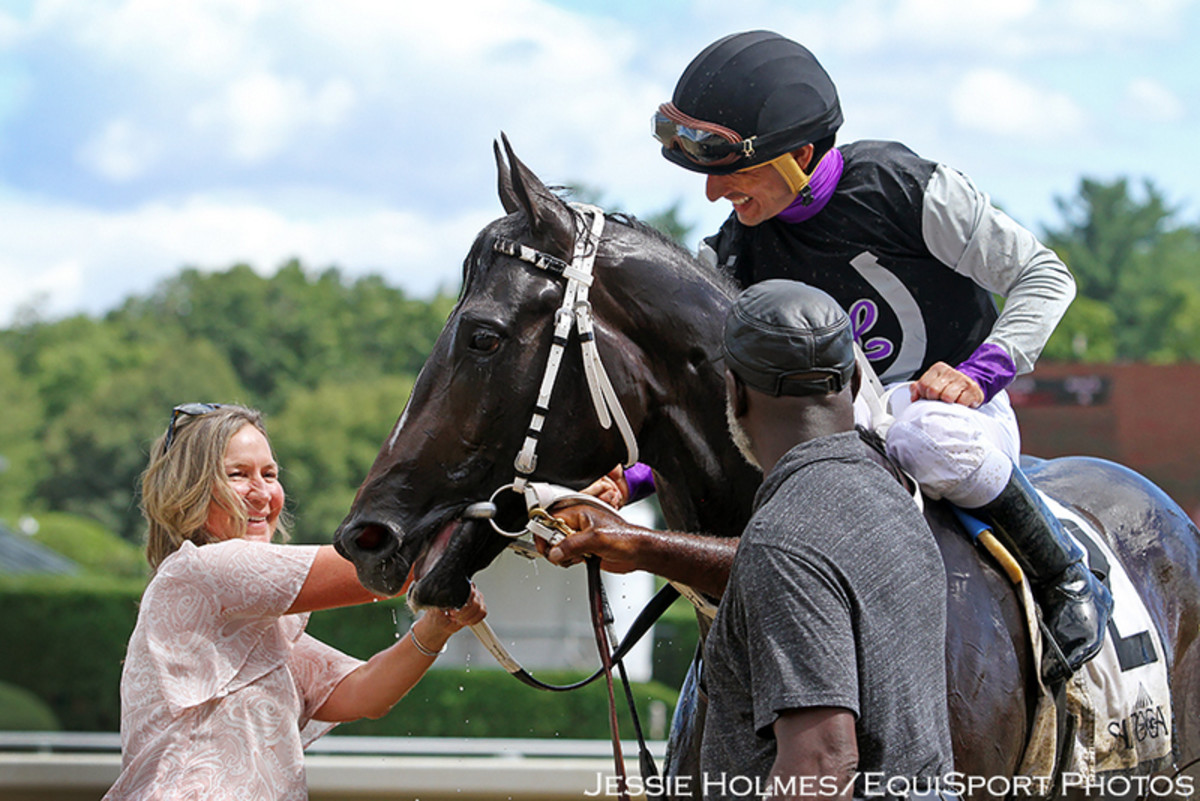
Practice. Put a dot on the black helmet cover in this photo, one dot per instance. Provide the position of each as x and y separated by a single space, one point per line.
761 85
789 338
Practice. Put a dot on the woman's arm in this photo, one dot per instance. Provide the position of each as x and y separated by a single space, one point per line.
332 582
375 687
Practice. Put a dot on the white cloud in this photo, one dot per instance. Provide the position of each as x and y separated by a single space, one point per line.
198 38
359 132
10 30
981 26
998 103
121 152
81 259
261 114
1147 100
1120 19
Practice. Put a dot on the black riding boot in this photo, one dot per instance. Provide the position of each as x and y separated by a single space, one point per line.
1075 604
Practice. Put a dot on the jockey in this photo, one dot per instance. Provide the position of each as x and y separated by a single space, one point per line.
914 253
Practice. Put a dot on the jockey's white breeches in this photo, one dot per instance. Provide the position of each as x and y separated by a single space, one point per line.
954 452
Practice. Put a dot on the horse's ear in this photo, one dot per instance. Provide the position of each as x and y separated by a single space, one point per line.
508 198
552 221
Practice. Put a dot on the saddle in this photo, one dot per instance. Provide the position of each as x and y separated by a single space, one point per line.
1108 719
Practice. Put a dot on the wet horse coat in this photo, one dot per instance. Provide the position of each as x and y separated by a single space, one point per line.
658 315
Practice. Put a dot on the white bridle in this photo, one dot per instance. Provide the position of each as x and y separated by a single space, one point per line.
574 312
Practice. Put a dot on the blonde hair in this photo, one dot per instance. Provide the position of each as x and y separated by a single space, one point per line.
183 480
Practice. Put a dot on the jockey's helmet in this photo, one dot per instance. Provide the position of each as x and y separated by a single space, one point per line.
744 100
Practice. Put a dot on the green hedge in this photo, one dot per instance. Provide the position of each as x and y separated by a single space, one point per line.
90 545
21 710
64 639
491 703
675 637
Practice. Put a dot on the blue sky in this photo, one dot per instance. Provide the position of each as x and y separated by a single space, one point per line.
139 136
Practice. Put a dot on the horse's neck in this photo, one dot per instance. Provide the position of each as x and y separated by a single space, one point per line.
673 310
705 485
702 490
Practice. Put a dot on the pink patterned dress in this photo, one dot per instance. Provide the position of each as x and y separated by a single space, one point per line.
219 686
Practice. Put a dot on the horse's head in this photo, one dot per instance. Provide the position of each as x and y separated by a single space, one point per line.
470 409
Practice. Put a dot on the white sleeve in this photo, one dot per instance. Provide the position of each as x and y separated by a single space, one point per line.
966 232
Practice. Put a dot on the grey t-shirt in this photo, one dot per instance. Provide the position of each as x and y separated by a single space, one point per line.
837 597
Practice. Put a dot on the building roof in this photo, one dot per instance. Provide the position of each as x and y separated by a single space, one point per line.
20 554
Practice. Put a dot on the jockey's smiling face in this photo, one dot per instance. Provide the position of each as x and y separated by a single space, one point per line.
758 193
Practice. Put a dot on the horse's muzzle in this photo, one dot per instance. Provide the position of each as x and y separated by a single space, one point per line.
374 550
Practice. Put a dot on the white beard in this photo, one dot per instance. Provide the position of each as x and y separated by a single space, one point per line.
740 438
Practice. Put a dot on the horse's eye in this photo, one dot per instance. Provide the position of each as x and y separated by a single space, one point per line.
485 341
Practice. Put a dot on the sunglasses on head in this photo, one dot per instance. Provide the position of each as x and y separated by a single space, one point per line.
702 142
186 410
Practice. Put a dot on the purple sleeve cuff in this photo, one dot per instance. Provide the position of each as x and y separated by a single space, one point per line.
640 479
991 368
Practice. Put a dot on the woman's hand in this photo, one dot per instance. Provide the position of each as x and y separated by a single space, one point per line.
373 688
611 488
435 626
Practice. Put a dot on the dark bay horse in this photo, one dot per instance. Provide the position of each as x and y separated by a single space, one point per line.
658 315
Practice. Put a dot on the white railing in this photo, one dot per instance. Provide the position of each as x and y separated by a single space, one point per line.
66 766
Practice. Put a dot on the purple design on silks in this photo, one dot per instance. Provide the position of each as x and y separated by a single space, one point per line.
640 479
821 185
990 367
863 316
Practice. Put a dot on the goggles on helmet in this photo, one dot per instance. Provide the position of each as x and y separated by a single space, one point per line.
702 142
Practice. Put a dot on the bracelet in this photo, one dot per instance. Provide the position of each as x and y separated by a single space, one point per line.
412 636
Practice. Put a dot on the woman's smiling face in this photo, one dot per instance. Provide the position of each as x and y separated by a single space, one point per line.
253 475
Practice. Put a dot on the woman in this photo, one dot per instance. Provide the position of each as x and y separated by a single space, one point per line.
222 689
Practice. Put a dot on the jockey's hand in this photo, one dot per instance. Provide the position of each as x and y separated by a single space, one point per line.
598 533
943 383
612 488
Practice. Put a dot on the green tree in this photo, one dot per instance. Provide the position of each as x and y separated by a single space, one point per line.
669 222
69 359
97 448
21 464
326 440
1136 271
294 329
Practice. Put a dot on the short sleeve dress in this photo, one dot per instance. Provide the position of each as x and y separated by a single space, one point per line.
219 685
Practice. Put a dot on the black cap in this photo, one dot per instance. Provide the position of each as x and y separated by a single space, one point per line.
788 338
759 84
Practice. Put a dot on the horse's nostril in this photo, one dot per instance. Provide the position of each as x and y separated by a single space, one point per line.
372 538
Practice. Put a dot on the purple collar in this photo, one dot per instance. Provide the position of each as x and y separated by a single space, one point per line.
822 183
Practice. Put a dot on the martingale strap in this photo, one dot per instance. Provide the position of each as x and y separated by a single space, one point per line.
575 312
